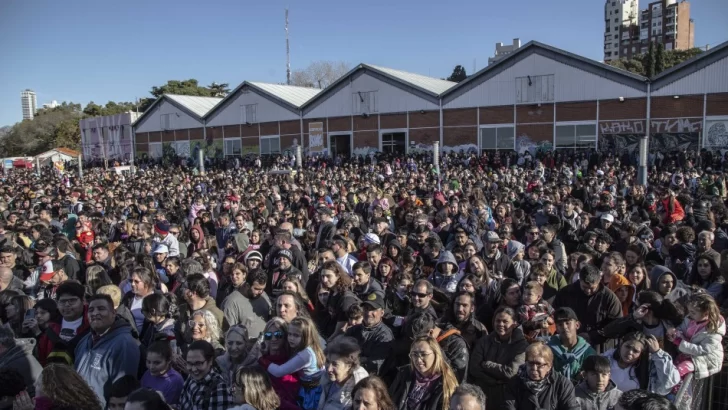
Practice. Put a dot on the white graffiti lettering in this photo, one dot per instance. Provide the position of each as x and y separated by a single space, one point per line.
677 125
622 127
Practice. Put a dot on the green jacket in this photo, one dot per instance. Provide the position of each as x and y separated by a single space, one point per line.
567 362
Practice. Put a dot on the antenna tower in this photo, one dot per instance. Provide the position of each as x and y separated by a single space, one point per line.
288 54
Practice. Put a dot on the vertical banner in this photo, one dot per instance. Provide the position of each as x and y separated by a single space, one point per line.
315 137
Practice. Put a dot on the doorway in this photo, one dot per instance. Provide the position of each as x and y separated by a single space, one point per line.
340 145
394 142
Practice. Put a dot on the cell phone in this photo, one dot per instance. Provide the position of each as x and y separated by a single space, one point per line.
30 314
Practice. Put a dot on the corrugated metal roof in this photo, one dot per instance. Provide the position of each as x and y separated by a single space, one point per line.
293 95
197 105
431 84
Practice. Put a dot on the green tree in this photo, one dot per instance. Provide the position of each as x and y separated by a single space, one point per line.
219 90
649 61
659 59
186 87
458 74
639 64
51 128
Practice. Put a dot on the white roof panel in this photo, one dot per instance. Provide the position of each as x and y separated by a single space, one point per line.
431 84
198 105
291 94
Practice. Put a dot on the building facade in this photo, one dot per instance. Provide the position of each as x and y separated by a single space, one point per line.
501 51
620 22
109 137
538 98
29 104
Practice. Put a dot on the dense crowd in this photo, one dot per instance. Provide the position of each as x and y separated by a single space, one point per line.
499 281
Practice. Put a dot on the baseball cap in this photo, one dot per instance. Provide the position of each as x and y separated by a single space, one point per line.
47 272
492 237
608 217
563 314
374 300
161 249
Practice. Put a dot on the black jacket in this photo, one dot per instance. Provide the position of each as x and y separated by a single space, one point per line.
400 389
376 345
325 235
557 395
455 349
471 330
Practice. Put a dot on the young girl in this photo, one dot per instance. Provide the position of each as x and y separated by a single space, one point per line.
699 339
307 361
160 376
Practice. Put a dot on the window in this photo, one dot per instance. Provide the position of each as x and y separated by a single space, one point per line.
535 88
576 136
616 20
616 36
249 113
624 51
497 138
233 147
165 121
394 143
365 102
634 49
155 150
608 29
270 145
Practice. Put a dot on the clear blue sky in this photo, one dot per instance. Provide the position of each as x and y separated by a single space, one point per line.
90 50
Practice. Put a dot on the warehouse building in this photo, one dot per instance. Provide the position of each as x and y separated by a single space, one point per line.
537 98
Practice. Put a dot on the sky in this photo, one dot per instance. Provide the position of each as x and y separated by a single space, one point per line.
90 50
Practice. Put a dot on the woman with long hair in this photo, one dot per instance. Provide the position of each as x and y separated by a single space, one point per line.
428 370
638 276
706 275
371 394
15 314
96 277
306 361
294 285
334 295
46 312
274 349
397 295
252 389
197 240
59 386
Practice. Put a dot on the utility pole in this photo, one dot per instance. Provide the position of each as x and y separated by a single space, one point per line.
288 53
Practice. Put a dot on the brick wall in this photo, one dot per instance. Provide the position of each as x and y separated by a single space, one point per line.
454 136
528 114
196 133
630 108
231 131
392 121
364 139
142 137
269 128
717 104
576 111
340 124
427 119
290 127
155 136
683 107
496 115
182 135
536 132
215 133
366 124
460 117
424 135
248 130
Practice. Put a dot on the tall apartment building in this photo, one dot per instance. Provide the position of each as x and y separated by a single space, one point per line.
619 17
665 21
29 104
503 50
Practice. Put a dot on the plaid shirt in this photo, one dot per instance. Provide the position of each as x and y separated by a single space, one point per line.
210 393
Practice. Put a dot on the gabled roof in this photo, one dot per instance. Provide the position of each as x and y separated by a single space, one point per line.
196 107
427 87
583 63
288 96
690 66
64 151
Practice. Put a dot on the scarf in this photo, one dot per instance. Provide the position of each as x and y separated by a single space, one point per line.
421 389
534 387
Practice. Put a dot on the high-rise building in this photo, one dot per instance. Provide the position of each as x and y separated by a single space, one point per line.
29 104
503 50
619 16
665 22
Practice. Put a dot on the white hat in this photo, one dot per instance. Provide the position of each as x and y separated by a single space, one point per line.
161 249
608 217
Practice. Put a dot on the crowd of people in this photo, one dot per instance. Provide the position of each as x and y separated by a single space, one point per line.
493 280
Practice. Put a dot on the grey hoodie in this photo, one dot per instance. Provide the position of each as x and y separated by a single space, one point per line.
447 284
20 358
679 290
588 400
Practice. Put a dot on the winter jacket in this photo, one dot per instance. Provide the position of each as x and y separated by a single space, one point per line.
447 284
498 264
51 348
569 362
112 356
455 349
589 400
493 363
341 399
471 330
20 358
557 394
679 290
376 345
655 372
400 389
705 349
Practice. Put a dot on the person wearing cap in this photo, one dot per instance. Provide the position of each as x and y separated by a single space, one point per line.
285 270
497 261
570 350
162 228
381 229
327 228
51 276
160 254
375 338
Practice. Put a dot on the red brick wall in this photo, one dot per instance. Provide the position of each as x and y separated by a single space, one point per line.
392 121
526 114
182 135
290 127
424 135
363 139
424 120
717 104
685 106
269 128
287 140
496 115
197 134
167 136
231 131
536 132
454 136
142 137
366 124
630 108
249 130
216 133
252 142
340 124
155 137
576 111
142 147
458 117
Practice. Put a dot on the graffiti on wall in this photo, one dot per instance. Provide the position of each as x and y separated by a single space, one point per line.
622 127
677 125
716 134
466 148
663 142
526 143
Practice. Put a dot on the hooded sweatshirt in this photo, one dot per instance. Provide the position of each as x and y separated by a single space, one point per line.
518 270
617 282
679 290
568 362
115 354
447 283
589 400
200 244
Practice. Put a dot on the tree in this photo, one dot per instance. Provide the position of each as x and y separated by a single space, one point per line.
51 128
219 90
185 87
650 61
458 74
319 74
659 59
639 63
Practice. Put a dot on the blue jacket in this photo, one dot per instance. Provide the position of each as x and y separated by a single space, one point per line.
113 356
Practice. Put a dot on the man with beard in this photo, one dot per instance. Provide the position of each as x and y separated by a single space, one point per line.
374 337
248 305
496 260
461 316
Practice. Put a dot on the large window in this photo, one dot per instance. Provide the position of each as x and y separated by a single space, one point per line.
365 102
535 88
166 122
394 143
155 150
497 138
233 147
576 136
270 145
249 113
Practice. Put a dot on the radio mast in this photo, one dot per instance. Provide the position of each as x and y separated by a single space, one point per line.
288 54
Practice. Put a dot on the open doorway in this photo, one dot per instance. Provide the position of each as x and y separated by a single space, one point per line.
340 145
393 142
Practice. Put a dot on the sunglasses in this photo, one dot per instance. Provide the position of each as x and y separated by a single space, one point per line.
273 335
419 295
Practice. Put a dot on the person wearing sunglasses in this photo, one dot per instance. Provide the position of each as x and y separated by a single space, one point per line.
273 348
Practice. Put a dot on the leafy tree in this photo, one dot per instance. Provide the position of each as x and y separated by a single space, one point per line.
458 74
219 90
185 87
659 59
51 128
639 63
319 74
650 61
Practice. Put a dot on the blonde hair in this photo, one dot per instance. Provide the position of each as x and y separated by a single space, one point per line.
441 367
279 323
706 304
539 349
256 388
309 338
113 292
213 329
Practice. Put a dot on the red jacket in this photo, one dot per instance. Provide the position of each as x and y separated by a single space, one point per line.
46 345
677 214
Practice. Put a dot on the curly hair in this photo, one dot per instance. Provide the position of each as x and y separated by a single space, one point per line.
66 388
